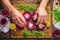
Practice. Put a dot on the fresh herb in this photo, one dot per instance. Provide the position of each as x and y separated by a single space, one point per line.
25 34
33 33
46 32
57 14
26 7
38 33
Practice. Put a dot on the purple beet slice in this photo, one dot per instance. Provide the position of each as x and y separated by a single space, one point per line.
5 13
27 15
56 33
3 21
30 25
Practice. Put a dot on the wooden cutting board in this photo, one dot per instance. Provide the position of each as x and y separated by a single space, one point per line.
19 33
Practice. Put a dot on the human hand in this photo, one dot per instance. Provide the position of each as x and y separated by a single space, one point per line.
40 15
18 18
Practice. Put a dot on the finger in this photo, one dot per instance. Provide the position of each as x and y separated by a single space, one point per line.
38 20
23 20
45 18
19 21
41 19
15 21
35 16
13 18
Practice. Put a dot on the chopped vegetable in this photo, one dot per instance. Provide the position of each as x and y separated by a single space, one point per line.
33 33
47 24
5 12
25 34
27 7
32 17
57 15
12 26
41 26
20 27
46 32
56 33
31 25
27 15
38 33
3 21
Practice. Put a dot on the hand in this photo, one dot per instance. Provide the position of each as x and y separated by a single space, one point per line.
18 18
16 15
40 15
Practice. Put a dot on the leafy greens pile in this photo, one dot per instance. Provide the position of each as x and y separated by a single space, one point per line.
57 14
27 7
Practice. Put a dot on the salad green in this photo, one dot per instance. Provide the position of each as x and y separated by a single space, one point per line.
57 14
27 7
33 33
46 32
38 33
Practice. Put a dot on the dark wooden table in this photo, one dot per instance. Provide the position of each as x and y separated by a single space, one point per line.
10 35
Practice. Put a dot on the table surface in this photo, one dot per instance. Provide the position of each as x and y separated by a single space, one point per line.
19 32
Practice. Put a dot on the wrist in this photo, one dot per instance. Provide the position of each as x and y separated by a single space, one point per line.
41 7
44 3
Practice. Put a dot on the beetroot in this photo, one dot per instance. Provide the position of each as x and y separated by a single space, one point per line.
3 21
5 13
32 16
56 33
27 15
31 25
19 27
41 26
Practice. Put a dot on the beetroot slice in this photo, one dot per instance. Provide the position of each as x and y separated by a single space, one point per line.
41 26
3 21
27 15
5 13
19 27
31 25
56 33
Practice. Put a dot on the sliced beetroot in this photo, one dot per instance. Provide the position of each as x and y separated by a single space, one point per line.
3 21
19 27
5 12
41 26
56 33
27 15
31 25
32 17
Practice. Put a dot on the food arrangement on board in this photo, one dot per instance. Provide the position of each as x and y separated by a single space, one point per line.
41 30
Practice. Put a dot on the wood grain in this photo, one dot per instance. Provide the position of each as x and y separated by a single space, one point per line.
19 33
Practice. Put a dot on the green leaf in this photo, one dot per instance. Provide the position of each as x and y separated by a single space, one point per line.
25 34
57 14
27 7
46 32
38 33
